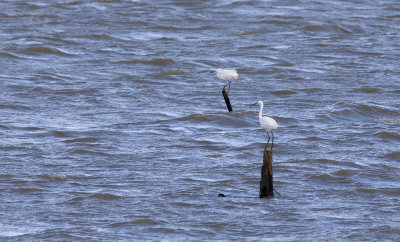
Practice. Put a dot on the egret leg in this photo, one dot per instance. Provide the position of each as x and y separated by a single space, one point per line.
272 145
229 86
268 139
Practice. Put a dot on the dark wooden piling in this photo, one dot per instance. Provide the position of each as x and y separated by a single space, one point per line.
228 103
266 183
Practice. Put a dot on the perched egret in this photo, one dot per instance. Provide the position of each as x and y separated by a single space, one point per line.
266 123
227 75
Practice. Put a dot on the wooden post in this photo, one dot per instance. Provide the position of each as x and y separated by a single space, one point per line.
266 183
228 103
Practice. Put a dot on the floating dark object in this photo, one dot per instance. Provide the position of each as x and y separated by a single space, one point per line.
221 195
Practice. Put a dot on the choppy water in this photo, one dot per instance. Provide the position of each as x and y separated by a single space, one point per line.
113 127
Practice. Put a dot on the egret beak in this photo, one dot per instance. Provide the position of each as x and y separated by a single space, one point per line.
253 104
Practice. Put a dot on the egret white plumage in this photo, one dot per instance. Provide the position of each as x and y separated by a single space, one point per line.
227 75
266 123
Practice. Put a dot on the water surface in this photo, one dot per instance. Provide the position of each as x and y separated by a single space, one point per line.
113 126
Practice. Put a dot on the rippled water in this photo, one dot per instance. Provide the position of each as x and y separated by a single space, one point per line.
113 126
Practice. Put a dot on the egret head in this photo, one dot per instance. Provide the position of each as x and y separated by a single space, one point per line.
257 103
235 74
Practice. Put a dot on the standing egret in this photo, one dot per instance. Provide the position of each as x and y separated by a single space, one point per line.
266 123
227 75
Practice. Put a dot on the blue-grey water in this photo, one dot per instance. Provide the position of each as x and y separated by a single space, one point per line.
113 126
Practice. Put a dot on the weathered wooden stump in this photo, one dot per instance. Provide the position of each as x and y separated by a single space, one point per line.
228 103
266 183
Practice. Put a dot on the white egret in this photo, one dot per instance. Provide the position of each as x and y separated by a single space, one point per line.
227 75
266 123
